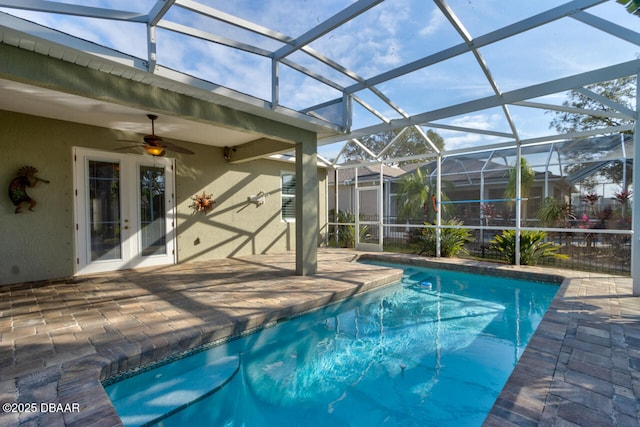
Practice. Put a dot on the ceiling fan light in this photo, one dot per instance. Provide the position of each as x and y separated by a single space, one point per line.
154 150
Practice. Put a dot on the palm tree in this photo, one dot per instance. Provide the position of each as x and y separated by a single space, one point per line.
414 197
527 175
417 198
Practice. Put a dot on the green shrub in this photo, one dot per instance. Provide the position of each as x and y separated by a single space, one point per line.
532 247
553 212
452 240
347 232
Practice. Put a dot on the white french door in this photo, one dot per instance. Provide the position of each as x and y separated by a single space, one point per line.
125 211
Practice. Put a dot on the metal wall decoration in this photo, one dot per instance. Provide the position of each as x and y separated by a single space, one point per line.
202 203
25 178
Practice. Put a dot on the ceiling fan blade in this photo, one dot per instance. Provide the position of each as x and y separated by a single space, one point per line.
155 141
176 148
129 146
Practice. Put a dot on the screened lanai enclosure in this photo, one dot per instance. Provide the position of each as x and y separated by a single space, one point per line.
577 191
430 116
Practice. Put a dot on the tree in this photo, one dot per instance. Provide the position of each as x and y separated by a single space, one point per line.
410 143
417 198
554 211
632 6
414 195
527 175
621 91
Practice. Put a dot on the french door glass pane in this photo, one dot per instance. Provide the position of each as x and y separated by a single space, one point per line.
104 210
152 211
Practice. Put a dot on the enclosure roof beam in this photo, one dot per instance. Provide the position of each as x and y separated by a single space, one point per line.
547 88
370 109
468 130
606 101
233 20
365 148
384 150
75 10
301 43
313 75
541 140
573 110
330 24
608 27
203 35
466 36
159 10
426 137
582 134
530 23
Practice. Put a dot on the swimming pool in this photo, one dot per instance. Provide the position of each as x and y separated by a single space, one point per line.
435 349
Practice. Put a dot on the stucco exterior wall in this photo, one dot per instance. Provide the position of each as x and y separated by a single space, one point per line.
40 245
235 226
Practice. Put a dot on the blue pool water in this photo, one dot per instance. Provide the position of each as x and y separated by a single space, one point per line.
433 350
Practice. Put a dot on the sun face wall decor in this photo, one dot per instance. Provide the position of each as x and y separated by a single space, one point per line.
202 203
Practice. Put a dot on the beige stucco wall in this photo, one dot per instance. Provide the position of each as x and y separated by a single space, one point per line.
40 245
235 226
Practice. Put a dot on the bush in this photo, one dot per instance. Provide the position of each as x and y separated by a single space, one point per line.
553 212
452 240
347 233
532 247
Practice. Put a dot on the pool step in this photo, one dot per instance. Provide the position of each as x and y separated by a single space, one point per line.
165 392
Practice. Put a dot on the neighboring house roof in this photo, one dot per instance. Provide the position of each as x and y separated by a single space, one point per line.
365 173
464 170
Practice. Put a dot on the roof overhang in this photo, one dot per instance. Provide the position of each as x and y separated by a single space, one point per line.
41 92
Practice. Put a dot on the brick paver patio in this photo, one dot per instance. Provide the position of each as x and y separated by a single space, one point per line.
59 340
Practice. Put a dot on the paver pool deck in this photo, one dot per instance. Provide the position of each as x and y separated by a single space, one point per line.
60 339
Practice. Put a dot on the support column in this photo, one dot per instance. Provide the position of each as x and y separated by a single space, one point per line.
307 208
439 205
635 223
518 200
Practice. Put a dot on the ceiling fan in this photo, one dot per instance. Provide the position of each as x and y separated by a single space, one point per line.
155 145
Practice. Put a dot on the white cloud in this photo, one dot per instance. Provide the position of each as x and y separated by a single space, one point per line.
386 36
478 121
126 37
391 16
314 93
455 140
435 22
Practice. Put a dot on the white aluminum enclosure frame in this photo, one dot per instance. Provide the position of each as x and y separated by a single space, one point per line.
352 86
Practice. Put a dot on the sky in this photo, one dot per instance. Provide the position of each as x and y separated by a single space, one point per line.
385 37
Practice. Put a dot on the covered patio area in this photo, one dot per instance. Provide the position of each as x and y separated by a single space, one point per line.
63 338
